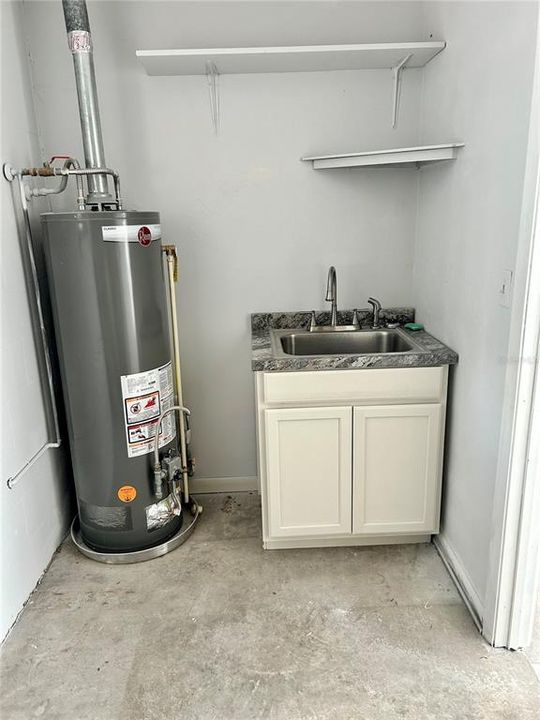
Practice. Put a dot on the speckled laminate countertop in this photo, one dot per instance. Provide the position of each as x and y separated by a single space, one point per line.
427 350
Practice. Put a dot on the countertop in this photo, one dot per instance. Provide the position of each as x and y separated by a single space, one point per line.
429 351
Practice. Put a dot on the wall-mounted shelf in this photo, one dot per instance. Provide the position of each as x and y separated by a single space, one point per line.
396 157
304 58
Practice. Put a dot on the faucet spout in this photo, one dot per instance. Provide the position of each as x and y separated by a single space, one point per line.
331 294
377 307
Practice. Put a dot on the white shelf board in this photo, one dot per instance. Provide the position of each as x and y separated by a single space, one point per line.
304 58
396 157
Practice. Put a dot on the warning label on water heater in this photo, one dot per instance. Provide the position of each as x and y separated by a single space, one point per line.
145 396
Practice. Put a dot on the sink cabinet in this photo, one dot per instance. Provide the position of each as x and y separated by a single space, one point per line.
351 457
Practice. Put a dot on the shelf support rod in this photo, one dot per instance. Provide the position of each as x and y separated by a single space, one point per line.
396 72
212 76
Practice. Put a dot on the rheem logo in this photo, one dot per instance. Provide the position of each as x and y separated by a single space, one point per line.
144 236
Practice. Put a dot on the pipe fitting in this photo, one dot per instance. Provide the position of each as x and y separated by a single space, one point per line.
158 472
158 481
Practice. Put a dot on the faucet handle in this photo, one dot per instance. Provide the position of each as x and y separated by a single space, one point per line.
355 320
313 321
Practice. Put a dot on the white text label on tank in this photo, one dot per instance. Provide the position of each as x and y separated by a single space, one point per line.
131 233
145 395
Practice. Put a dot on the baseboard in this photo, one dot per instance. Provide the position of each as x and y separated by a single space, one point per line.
343 541
223 485
461 579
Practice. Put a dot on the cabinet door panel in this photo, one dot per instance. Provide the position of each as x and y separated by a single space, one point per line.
397 469
309 453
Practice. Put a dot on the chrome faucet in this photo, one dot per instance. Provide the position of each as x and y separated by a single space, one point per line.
376 305
331 294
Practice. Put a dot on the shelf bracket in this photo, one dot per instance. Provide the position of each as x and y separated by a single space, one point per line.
396 72
212 76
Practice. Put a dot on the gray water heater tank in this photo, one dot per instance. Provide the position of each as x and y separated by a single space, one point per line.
108 296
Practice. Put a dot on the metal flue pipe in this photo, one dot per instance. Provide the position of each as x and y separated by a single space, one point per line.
80 45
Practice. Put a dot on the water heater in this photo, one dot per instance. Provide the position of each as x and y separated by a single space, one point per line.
105 272
118 347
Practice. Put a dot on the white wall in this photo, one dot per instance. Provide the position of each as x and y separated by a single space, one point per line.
477 91
35 513
257 229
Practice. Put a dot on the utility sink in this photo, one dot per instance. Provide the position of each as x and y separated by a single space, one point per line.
354 342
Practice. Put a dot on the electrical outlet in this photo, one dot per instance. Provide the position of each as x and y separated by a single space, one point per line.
506 287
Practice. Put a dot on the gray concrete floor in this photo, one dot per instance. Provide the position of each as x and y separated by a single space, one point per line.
222 630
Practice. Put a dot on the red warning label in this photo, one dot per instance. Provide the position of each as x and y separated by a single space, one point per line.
142 407
141 433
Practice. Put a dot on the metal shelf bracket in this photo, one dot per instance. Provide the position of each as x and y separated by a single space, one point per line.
212 76
396 73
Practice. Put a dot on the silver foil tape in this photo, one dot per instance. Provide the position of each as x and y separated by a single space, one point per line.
161 513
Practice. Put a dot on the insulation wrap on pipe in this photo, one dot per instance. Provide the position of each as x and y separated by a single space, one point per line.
76 15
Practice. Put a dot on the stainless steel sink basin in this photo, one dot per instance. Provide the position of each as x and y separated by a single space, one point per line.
357 342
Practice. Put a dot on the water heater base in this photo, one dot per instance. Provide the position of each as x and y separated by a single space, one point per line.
125 558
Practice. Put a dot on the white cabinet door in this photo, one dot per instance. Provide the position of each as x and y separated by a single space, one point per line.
397 469
309 464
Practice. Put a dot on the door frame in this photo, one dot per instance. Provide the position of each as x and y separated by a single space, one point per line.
514 562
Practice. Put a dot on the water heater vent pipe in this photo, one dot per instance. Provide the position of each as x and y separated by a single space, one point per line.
80 45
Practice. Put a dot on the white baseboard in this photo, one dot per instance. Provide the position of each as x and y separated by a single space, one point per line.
461 578
224 485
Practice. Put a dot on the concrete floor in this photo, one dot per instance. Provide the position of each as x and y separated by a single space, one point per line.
222 630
